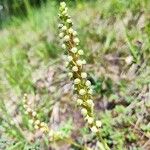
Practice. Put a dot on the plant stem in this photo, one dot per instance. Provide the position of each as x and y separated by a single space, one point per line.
102 141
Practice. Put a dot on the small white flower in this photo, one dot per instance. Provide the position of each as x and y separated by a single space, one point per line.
36 127
51 133
74 50
80 52
82 92
90 120
62 4
94 129
98 123
43 124
83 111
24 100
74 88
66 64
74 33
90 102
64 28
70 74
79 62
64 11
29 110
129 60
77 81
61 35
88 83
63 46
34 113
79 101
70 30
90 91
43 129
66 38
75 68
37 122
60 25
70 58
84 62
83 75
69 21
76 40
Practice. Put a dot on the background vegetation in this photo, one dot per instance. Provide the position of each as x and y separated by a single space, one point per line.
115 35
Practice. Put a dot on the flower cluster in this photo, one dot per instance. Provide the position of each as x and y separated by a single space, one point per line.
82 85
37 124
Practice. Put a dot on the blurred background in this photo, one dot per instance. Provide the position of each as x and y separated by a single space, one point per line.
115 35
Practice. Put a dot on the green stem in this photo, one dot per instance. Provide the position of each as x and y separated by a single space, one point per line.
103 142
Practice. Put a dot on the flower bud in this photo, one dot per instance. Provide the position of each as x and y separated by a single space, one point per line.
88 83
62 4
84 75
129 60
90 91
64 28
79 101
74 50
70 74
82 92
69 21
90 102
75 68
51 133
83 62
70 30
76 40
90 120
60 25
79 62
44 129
66 38
36 127
66 64
80 52
63 46
83 111
29 110
43 124
34 113
94 129
65 12
74 33
70 58
24 100
61 35
98 123
37 122
77 81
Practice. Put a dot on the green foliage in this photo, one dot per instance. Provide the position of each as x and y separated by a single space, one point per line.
17 6
18 68
103 86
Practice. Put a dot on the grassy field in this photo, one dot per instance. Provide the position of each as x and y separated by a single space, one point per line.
115 36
